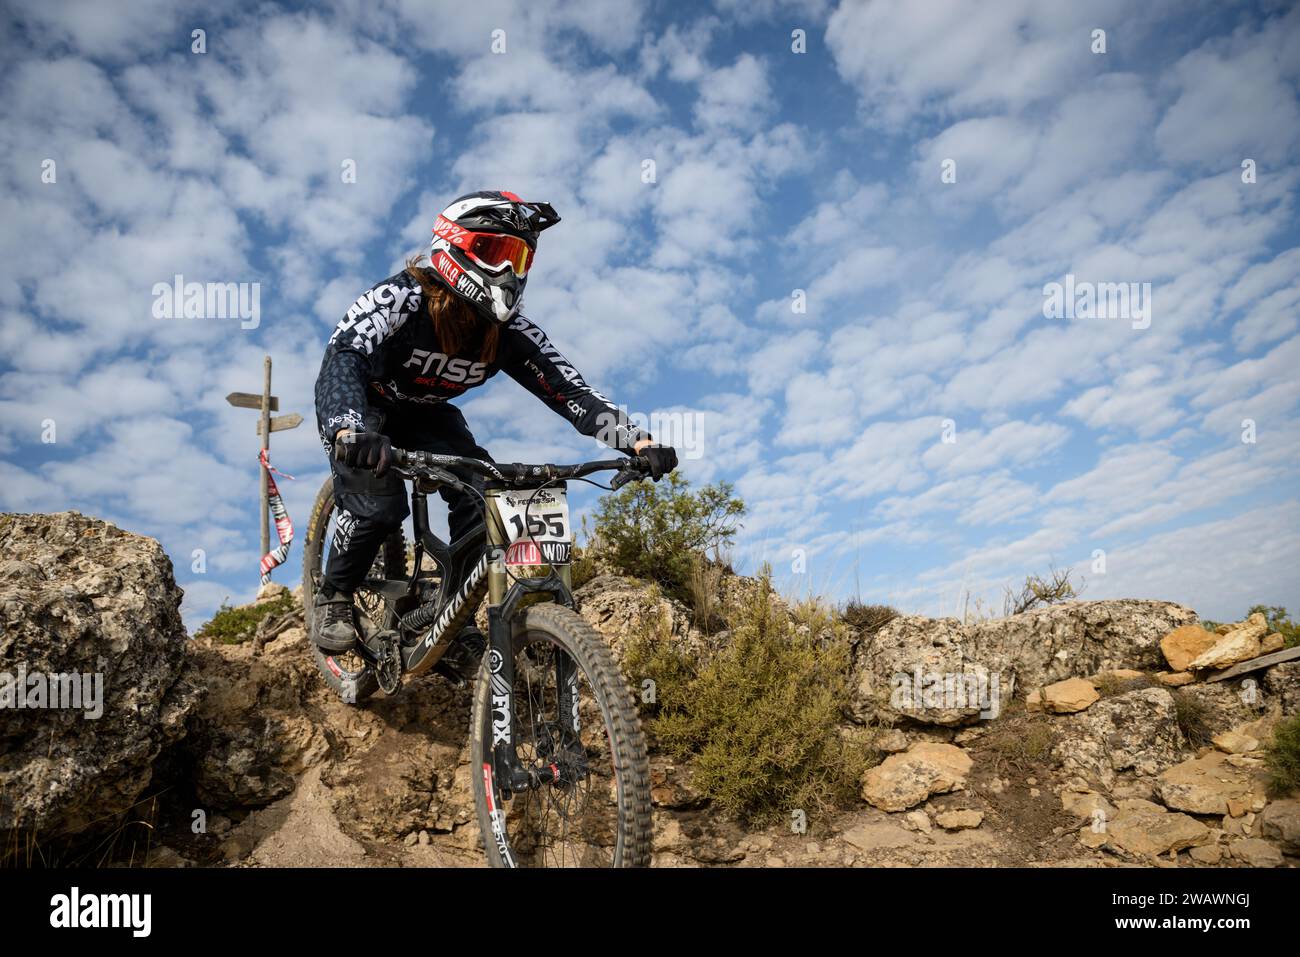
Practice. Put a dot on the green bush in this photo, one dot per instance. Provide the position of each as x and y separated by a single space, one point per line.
583 568
232 626
761 720
657 531
1283 758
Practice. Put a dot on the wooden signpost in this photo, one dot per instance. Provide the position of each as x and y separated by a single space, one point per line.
1254 664
266 424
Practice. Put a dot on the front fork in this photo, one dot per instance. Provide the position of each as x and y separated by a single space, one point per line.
510 772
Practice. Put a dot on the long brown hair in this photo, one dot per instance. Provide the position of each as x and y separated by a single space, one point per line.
455 322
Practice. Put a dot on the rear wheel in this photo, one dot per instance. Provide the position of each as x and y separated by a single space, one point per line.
347 674
596 813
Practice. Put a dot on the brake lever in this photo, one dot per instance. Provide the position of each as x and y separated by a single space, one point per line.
623 476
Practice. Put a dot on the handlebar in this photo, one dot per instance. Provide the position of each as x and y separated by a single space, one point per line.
630 468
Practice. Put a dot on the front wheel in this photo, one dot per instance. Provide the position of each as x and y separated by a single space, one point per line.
596 812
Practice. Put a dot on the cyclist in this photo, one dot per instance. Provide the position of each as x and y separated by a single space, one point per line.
407 346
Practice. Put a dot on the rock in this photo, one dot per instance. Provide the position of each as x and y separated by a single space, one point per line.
1254 852
1206 854
670 785
160 856
1235 826
1029 650
1118 675
966 735
1149 831
1184 645
1272 643
271 591
1280 821
424 838
1261 729
1282 686
1131 732
1175 679
1093 839
1241 644
1221 705
1069 696
1235 742
904 780
92 612
1034 701
1137 804
892 741
1087 805
917 821
393 768
252 735
1206 784
1226 627
959 820
622 608
875 837
411 839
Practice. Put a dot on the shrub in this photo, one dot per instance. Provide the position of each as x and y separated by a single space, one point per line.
1019 739
1282 758
1108 684
760 719
232 626
704 587
656 530
867 619
583 568
1192 716
1037 590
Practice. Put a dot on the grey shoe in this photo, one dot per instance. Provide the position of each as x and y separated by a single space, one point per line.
336 630
460 662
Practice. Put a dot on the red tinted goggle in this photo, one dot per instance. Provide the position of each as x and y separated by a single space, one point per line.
492 251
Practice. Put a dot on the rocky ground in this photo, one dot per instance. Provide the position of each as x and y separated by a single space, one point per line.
1100 743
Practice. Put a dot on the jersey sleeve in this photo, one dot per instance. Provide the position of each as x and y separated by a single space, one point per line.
536 364
353 348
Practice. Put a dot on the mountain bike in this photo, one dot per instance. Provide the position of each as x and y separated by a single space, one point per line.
560 771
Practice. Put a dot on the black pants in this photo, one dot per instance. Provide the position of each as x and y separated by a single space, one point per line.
368 508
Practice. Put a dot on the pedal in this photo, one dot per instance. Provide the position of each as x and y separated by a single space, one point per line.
385 648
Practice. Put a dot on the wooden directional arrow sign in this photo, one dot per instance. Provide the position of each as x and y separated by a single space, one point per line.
281 422
250 400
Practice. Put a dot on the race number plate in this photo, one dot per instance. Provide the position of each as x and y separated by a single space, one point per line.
537 526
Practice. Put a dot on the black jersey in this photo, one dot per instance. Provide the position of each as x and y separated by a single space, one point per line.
385 353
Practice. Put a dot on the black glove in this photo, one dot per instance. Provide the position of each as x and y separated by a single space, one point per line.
364 450
662 459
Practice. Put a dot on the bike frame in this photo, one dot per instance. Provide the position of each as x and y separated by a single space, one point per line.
469 566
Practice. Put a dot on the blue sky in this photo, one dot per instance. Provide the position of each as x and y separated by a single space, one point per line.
774 171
